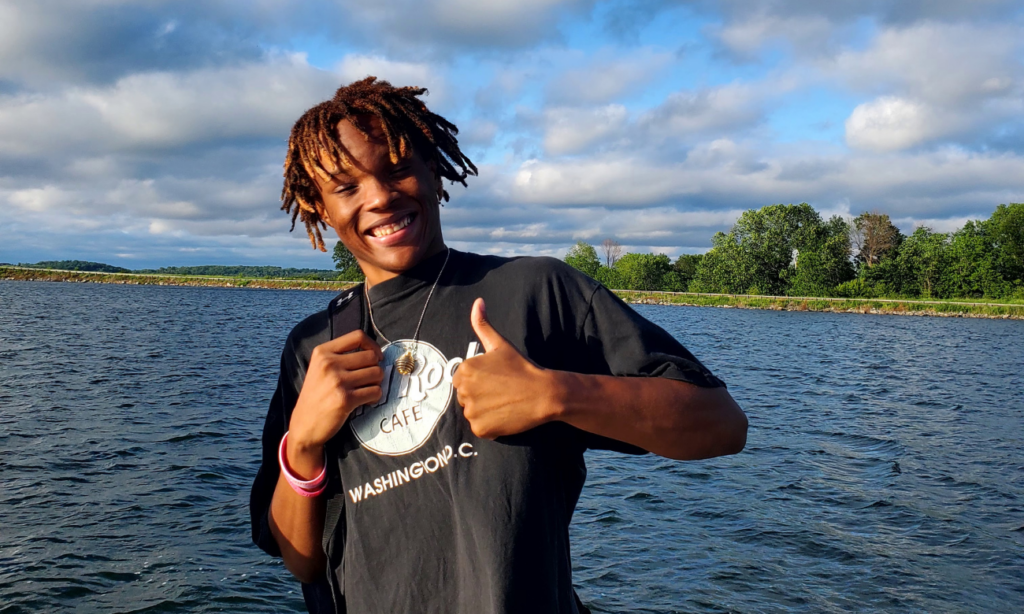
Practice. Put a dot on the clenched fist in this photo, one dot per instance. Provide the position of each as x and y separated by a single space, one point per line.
502 392
343 374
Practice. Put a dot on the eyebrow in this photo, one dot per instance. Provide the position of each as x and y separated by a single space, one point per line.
341 175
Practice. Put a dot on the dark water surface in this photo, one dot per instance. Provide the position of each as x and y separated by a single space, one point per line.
884 470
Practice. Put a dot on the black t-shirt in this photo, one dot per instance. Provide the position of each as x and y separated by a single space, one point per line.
437 519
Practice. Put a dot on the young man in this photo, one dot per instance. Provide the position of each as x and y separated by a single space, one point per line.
451 426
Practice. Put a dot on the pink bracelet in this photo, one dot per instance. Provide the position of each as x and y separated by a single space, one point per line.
306 488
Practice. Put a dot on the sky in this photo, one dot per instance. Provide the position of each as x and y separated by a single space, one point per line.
151 133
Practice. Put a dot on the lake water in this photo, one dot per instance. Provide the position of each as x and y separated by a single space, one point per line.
884 470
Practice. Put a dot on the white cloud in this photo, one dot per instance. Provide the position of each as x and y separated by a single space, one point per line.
890 123
944 82
606 77
745 175
570 130
717 111
165 109
943 64
355 66
169 142
808 35
950 224
41 199
683 118
448 24
493 15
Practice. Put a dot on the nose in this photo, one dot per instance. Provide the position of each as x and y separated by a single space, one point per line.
379 192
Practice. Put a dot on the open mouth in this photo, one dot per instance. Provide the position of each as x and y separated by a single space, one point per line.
384 230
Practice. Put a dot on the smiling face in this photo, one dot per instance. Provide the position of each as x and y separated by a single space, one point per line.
387 214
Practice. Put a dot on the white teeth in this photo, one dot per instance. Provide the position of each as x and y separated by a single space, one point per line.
386 229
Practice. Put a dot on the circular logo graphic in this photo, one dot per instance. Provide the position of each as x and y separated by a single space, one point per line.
411 405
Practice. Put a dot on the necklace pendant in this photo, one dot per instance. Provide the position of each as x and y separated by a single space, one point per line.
406 363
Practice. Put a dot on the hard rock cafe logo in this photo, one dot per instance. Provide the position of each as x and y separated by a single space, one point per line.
410 405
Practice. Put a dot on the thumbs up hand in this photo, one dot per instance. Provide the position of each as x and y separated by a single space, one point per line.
501 392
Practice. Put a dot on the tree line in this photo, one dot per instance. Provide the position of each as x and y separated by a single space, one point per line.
791 250
216 270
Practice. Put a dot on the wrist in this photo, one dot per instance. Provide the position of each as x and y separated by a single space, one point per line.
305 458
560 386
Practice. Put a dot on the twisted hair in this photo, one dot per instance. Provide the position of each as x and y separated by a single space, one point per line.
407 125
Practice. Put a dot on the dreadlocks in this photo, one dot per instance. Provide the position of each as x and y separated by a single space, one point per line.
406 122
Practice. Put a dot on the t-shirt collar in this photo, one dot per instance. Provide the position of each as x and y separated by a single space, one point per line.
407 282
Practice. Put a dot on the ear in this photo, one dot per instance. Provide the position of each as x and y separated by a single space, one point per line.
321 210
438 182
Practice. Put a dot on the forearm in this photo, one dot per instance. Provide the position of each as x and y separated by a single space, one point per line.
667 417
297 522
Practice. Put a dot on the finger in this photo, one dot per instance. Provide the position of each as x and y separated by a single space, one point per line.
370 376
355 340
489 338
356 360
365 395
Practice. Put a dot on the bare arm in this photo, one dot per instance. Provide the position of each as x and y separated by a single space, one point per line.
503 393
342 375
297 523
670 418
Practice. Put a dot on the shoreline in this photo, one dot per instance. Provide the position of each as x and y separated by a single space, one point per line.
908 307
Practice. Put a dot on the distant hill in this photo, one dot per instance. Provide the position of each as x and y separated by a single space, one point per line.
211 270
76 265
218 270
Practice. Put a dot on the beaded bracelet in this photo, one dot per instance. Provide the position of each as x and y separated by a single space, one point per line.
306 488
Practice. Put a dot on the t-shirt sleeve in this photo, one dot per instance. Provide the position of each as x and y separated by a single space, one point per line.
628 344
266 478
621 342
289 383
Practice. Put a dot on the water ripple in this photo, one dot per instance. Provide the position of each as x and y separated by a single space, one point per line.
884 470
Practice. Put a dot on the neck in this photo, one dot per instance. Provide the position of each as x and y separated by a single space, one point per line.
376 276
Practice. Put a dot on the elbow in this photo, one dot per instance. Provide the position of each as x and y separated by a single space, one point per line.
731 433
737 438
734 435
306 570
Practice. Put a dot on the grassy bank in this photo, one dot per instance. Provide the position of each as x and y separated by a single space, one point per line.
909 307
26 274
964 309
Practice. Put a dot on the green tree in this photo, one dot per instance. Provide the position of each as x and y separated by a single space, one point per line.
583 257
972 269
758 254
610 277
346 264
922 259
684 269
643 271
824 261
725 268
770 238
1006 227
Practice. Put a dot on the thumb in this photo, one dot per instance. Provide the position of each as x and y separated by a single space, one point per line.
489 337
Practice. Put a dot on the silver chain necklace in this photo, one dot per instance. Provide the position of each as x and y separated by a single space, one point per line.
406 363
